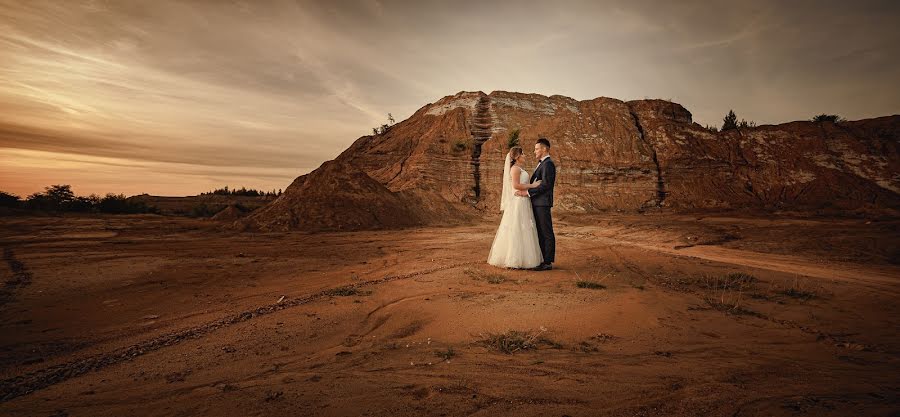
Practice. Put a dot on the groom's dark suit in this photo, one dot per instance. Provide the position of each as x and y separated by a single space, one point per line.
541 202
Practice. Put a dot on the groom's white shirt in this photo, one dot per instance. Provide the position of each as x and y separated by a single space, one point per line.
541 161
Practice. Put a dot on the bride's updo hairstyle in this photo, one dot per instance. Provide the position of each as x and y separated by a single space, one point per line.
514 153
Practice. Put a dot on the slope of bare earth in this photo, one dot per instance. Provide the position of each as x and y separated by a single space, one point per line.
204 203
338 196
711 315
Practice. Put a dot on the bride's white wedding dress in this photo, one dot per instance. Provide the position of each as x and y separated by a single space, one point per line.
516 242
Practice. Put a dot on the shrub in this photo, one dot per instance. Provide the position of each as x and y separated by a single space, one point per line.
119 204
380 130
833 118
514 341
9 200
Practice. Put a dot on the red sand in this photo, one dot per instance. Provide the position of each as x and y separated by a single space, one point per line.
146 315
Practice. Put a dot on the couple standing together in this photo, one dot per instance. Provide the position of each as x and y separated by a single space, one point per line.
525 237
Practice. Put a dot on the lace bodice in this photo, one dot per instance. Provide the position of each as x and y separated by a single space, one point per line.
524 177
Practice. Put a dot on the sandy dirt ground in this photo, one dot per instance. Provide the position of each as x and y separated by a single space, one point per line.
692 316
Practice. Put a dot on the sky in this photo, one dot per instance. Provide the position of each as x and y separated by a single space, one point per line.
180 97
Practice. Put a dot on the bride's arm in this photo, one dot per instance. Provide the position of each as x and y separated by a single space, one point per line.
514 174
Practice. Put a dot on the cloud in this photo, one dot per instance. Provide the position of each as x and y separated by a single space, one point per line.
284 85
146 150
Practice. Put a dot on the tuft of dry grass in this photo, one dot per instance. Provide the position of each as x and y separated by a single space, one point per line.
738 281
595 282
514 341
495 279
445 354
590 284
731 306
726 292
274 395
730 302
800 290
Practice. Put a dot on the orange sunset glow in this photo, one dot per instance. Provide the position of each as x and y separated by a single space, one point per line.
179 97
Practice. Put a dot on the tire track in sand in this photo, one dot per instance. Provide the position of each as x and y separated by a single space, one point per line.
33 381
21 277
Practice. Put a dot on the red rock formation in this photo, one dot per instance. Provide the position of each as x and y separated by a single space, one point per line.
444 163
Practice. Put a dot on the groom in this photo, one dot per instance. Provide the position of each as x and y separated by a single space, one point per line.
542 201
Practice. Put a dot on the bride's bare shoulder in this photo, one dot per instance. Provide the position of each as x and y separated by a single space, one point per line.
514 171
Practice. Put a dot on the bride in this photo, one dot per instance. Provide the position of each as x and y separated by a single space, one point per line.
516 242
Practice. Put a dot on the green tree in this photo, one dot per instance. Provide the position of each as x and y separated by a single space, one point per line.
380 130
833 118
80 204
9 200
119 204
60 193
730 121
513 139
54 198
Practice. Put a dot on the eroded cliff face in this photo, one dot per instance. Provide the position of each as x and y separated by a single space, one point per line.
798 165
445 162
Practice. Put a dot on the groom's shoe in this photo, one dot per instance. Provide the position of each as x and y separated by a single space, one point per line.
543 267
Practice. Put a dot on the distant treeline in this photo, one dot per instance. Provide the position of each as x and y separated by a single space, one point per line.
61 198
243 192
730 122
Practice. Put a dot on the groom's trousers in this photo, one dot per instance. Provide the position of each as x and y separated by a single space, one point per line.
546 239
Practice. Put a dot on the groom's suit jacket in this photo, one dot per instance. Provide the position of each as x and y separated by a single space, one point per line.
542 195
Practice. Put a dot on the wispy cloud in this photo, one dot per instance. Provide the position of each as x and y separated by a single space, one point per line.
202 89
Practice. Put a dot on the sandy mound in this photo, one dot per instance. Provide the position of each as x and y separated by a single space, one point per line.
229 214
338 196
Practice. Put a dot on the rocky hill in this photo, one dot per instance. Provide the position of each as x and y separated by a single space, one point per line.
445 162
